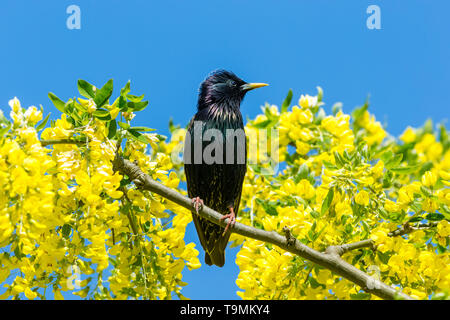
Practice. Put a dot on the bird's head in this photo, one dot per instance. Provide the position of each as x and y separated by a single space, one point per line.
224 87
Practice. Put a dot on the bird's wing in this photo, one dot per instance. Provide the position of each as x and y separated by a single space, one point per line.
192 174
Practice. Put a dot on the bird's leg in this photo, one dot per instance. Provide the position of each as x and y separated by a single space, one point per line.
232 219
197 203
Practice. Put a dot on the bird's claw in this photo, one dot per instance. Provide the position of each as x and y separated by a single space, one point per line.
197 203
232 220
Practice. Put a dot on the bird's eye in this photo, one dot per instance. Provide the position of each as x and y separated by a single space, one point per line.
231 83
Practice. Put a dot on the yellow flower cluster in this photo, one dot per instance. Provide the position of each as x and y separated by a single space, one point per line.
63 217
374 130
339 185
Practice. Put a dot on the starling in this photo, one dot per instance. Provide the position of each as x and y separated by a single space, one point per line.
215 158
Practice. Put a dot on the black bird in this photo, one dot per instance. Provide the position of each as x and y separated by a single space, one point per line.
213 178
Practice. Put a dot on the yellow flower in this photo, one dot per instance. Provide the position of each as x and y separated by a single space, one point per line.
443 228
33 115
307 101
362 198
58 295
391 206
304 116
301 147
408 135
429 179
30 294
429 205
444 175
375 131
15 105
91 106
377 170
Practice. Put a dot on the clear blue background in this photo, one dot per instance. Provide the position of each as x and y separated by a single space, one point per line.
167 48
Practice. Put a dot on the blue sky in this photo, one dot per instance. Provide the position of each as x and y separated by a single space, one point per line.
166 48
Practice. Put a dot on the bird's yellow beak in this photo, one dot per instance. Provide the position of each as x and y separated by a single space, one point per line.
251 86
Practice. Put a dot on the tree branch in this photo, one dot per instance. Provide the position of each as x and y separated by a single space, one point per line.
343 248
408 228
330 259
45 143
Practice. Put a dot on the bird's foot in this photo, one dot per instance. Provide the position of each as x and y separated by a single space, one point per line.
232 220
197 203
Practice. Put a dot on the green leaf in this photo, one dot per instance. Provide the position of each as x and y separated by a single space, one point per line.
287 101
315 214
428 126
426 167
102 114
347 156
303 172
68 107
146 226
5 129
125 90
314 283
134 98
112 129
365 226
122 104
426 191
329 165
336 108
172 127
358 112
123 125
268 206
86 89
138 136
443 135
360 296
340 162
3 118
58 103
441 249
145 129
102 95
327 201
263 124
434 217
405 170
386 156
394 161
384 257
445 210
319 94
79 107
42 124
415 219
388 179
137 106
66 230
255 168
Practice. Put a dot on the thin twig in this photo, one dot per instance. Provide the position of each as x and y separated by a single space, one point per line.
45 143
408 228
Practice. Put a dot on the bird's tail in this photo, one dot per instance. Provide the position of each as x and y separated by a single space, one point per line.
216 257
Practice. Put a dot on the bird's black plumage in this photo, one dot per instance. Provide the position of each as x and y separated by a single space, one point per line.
218 184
